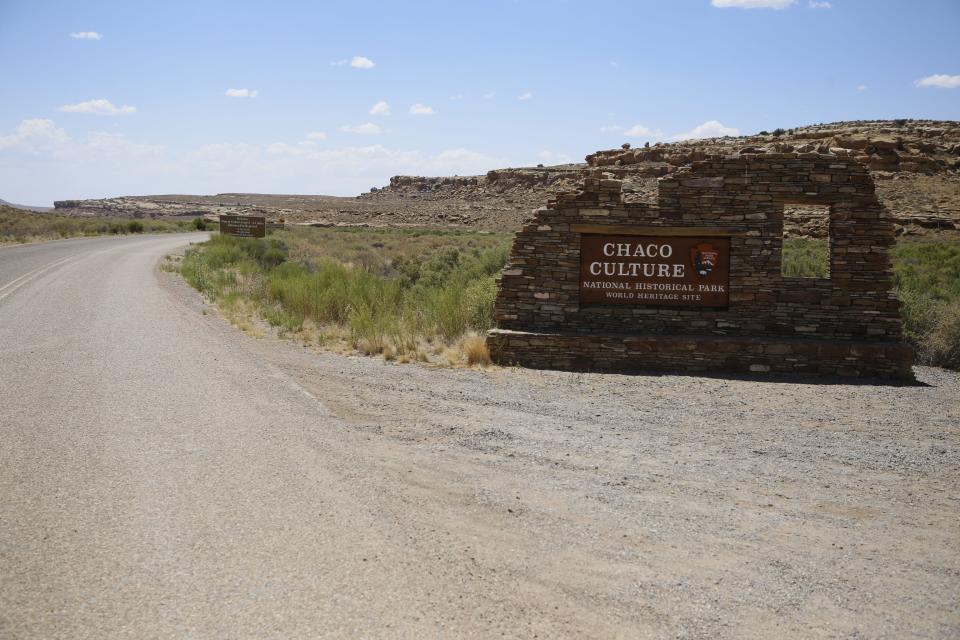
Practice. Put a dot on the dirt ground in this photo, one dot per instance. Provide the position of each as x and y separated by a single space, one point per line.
661 506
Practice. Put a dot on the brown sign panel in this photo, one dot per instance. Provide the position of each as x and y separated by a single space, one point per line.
243 226
655 271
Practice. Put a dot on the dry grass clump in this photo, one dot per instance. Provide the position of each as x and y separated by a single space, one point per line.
243 314
475 350
942 345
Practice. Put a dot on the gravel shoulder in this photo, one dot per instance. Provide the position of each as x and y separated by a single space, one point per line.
589 505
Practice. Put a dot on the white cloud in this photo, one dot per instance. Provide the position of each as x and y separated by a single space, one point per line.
640 131
525 96
462 161
939 81
34 135
380 109
422 110
490 95
42 163
611 128
43 137
86 35
709 129
367 128
116 145
360 62
241 93
300 148
861 87
101 107
549 157
752 4
816 4
296 168
316 135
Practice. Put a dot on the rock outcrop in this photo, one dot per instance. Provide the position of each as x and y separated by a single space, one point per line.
915 164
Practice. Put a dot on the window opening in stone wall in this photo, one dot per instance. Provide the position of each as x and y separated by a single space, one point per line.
806 241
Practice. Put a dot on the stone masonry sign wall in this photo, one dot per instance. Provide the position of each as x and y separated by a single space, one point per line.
693 282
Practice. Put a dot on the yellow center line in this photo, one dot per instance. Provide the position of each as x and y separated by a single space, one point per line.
15 284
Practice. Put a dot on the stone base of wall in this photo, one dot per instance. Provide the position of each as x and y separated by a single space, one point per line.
700 354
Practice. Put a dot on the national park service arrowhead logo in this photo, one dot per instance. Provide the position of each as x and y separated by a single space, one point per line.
704 257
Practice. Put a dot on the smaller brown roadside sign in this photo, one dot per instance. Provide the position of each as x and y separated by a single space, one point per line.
243 226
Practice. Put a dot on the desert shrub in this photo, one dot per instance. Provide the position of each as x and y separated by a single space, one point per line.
273 256
369 330
389 291
199 224
478 302
135 226
927 278
277 316
221 255
778 132
17 225
805 258
331 291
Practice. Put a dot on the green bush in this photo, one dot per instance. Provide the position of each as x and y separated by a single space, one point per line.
443 293
199 224
135 226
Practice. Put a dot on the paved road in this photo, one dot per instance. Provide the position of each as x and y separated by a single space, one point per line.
158 480
164 476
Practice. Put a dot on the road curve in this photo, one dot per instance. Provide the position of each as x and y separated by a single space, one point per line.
164 476
160 480
156 481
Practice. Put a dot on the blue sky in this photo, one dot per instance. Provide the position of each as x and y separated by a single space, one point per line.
114 98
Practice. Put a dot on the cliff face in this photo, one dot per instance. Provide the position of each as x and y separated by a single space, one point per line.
915 164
